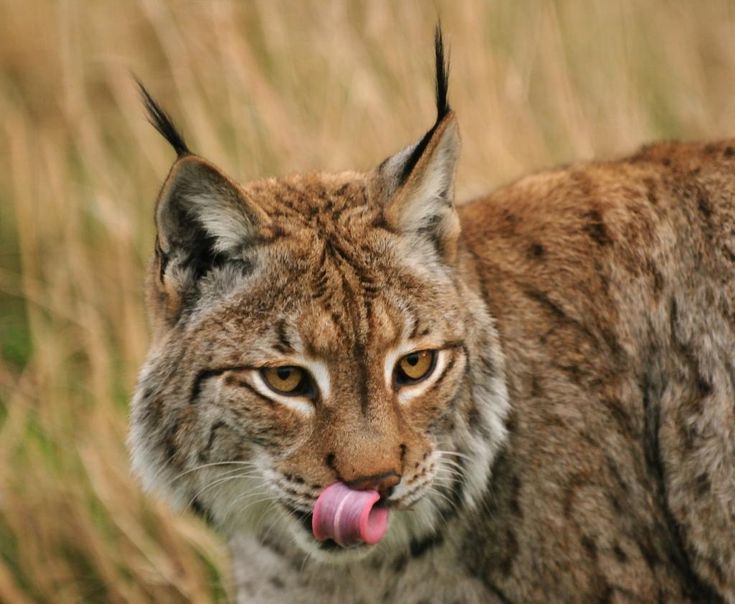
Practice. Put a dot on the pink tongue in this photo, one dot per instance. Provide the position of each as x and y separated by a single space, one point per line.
348 517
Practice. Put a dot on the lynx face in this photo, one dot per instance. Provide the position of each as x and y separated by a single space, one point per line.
314 329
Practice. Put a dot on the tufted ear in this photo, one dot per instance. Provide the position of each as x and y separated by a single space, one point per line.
201 210
417 183
203 222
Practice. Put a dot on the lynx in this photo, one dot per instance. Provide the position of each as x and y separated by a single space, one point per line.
529 397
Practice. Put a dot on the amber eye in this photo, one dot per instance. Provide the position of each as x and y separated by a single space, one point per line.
292 381
415 367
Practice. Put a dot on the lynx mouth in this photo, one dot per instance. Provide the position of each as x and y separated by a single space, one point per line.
306 519
328 542
349 516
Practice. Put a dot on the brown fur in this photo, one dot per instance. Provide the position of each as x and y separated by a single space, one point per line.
612 286
577 441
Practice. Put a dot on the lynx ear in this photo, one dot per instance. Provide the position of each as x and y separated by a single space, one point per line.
421 202
204 221
418 182
198 204
200 211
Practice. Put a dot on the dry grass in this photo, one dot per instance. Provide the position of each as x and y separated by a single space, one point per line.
261 88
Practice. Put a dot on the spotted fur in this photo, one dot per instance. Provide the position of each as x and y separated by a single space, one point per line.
575 441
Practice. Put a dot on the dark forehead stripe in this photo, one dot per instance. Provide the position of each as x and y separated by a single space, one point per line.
358 310
348 276
363 268
356 278
414 320
283 341
320 280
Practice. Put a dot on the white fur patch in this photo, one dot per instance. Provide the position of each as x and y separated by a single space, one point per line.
320 373
223 219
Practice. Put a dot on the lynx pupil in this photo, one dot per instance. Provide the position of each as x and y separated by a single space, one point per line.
284 372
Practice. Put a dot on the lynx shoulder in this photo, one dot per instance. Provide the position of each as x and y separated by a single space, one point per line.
536 387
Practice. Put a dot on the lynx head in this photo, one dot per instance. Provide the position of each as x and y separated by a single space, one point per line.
317 328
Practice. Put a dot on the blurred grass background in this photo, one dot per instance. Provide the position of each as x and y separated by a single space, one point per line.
261 88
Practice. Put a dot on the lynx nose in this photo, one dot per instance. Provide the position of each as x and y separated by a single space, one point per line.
383 483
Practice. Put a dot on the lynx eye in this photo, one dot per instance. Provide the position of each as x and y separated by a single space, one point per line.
288 380
415 367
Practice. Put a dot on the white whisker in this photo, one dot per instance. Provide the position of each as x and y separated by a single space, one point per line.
455 454
219 481
209 465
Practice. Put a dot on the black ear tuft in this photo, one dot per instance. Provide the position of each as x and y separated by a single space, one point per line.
442 75
442 105
160 120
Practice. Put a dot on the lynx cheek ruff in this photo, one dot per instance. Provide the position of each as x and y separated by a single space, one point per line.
348 517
